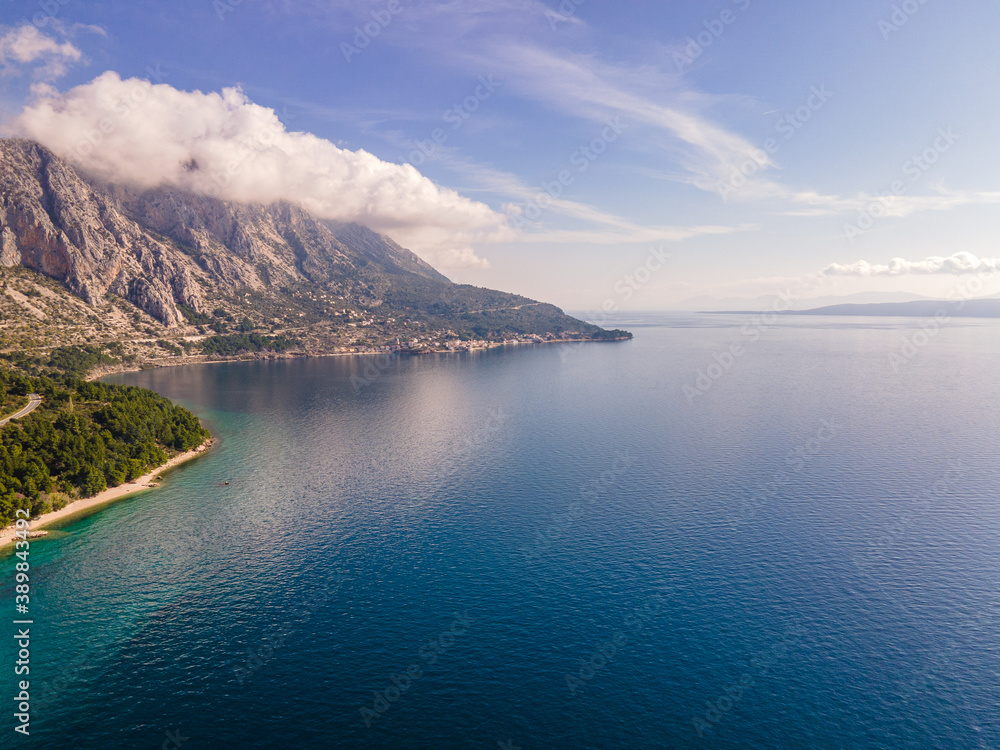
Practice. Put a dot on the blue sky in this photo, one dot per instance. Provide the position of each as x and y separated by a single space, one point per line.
573 138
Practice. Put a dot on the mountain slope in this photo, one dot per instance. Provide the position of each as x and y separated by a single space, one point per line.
163 262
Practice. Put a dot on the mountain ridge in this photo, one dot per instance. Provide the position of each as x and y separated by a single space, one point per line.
164 262
982 307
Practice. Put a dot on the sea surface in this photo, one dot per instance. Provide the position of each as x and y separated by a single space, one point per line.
726 533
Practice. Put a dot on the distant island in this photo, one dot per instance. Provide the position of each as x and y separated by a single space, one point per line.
985 307
973 308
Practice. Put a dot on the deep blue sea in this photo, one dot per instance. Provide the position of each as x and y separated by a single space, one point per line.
553 546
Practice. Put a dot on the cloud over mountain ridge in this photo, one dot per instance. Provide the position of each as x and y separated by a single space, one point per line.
224 145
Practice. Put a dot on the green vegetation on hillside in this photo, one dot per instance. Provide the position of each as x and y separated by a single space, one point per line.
83 438
228 346
193 317
77 360
472 311
613 334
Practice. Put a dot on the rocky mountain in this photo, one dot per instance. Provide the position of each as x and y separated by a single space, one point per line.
172 260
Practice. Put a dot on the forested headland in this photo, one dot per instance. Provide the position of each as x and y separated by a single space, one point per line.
83 438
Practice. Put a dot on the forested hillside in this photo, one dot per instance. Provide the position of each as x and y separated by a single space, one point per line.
83 438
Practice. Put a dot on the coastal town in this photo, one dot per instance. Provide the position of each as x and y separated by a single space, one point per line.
449 341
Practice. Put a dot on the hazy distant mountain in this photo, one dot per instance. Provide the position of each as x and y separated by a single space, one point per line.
986 307
765 302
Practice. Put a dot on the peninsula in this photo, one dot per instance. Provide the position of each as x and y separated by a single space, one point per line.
84 443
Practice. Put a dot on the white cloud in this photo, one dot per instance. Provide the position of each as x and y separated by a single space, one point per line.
629 234
26 45
957 264
225 145
895 206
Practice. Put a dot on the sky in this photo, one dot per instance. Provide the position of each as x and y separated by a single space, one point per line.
627 155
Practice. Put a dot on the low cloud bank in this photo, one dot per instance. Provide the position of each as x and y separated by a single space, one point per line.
222 144
958 263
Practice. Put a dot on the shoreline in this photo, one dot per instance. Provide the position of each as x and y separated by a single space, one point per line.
106 497
144 483
200 359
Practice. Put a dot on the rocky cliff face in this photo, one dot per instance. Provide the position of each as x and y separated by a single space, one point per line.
191 262
163 249
59 225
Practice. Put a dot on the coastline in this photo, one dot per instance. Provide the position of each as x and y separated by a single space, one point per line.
108 496
199 359
145 482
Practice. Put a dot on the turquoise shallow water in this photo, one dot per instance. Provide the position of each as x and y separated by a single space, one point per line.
550 547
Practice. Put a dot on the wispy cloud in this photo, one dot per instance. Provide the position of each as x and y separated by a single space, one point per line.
897 206
586 87
633 234
26 47
599 227
515 39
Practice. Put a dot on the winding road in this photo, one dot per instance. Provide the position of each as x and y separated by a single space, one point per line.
33 401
